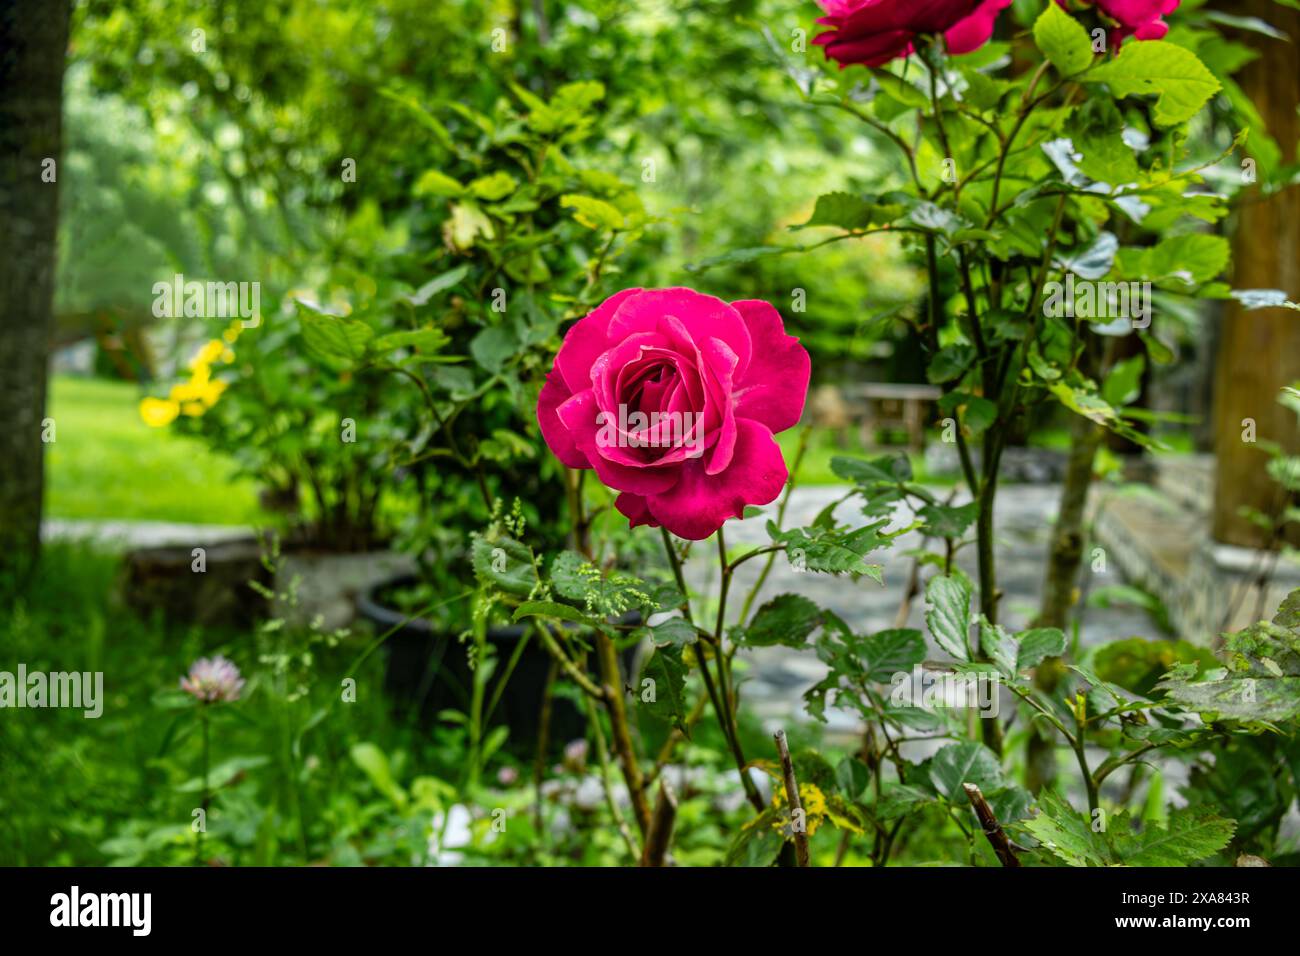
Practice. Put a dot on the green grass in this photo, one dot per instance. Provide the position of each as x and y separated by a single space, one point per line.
107 463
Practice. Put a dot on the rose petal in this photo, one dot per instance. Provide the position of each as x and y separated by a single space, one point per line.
701 315
699 503
557 436
974 31
775 386
586 340
579 415
633 507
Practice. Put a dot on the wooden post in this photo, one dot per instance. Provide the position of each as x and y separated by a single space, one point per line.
1259 352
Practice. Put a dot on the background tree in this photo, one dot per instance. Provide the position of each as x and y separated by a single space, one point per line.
34 39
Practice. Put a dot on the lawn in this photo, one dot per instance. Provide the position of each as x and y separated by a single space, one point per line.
106 463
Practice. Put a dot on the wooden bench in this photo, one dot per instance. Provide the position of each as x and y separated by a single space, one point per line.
887 405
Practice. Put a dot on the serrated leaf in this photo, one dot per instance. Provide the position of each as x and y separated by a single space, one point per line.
949 521
1037 644
966 762
948 614
666 668
890 652
999 647
1193 834
1156 67
787 619
1067 834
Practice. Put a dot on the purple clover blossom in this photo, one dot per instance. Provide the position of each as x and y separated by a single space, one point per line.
213 679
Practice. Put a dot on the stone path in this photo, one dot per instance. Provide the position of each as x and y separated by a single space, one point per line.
126 535
778 676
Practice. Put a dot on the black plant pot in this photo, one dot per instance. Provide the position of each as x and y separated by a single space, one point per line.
428 671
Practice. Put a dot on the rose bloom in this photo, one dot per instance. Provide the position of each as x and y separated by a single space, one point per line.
1137 18
673 397
873 32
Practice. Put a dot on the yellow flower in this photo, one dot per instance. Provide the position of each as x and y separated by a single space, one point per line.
158 412
205 356
227 356
200 391
193 409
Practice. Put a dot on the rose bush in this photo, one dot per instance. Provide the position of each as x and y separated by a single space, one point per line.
673 397
873 32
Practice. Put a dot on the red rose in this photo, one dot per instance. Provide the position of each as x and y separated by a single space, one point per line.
873 32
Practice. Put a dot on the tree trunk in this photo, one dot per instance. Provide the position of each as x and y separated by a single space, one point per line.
33 44
1064 558
1259 351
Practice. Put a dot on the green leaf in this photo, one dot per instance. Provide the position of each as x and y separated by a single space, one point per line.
493 187
1193 834
435 183
329 336
426 340
1063 40
949 363
374 763
676 632
900 89
504 562
553 609
740 257
948 614
886 469
439 283
999 647
1194 258
593 213
1124 382
787 619
966 762
852 777
1037 644
841 209
493 346
1263 673
1157 67
830 550
890 652
1066 834
949 521
666 669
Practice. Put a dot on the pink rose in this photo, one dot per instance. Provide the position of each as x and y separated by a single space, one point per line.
1137 18
873 32
673 398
